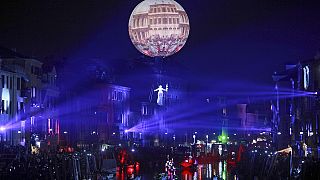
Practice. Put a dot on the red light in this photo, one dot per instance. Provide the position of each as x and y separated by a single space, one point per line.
137 167
130 170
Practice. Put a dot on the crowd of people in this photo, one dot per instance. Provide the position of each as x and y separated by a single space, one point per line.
17 163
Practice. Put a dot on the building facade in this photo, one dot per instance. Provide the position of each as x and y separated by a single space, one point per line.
98 113
29 94
296 111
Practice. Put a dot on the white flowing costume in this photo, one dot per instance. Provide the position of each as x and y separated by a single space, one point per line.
160 94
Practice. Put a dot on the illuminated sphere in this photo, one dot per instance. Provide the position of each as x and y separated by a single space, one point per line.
159 28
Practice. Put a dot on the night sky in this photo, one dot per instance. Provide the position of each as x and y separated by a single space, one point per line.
230 40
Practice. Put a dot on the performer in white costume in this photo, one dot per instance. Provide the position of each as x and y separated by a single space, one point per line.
160 94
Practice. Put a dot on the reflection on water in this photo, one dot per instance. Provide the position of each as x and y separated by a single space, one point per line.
217 170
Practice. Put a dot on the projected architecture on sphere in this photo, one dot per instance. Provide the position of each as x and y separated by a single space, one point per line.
159 27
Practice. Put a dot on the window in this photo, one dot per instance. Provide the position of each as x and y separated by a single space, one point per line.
10 107
144 110
2 107
164 9
11 82
306 77
224 111
165 20
170 20
159 20
120 96
33 92
2 80
114 95
6 107
18 84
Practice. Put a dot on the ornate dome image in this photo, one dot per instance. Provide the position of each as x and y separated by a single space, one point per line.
159 28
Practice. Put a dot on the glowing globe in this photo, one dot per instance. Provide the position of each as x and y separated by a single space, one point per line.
159 28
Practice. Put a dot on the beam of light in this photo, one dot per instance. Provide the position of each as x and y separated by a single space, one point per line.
186 111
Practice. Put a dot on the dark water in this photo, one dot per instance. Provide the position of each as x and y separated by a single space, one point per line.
216 170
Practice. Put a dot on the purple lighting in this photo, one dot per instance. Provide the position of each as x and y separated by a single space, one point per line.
2 128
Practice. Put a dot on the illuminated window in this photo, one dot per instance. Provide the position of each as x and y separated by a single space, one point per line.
224 111
33 92
2 107
306 77
144 110
6 106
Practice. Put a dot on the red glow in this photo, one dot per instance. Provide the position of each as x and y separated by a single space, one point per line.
130 169
186 174
120 174
123 156
240 151
137 167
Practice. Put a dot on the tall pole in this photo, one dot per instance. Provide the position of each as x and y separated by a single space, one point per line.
292 115
276 120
